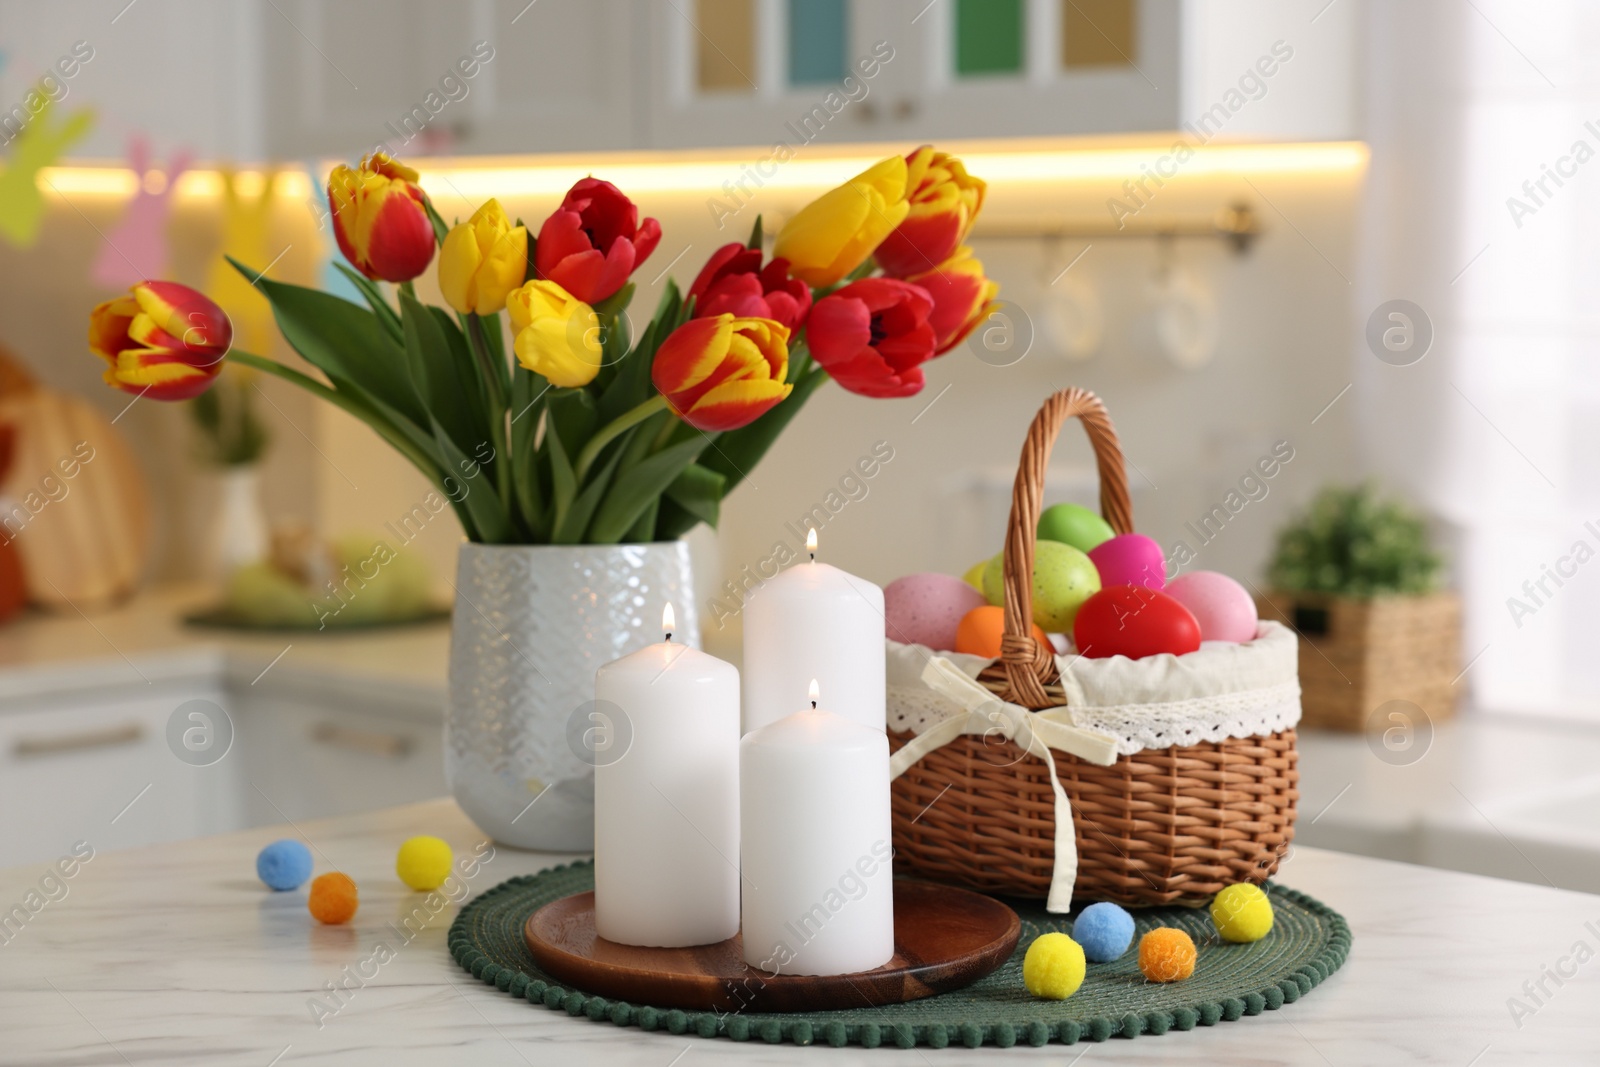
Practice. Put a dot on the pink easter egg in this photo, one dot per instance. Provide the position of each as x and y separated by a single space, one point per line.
925 609
1226 612
1130 559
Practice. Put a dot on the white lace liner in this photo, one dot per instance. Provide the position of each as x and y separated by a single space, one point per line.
1222 691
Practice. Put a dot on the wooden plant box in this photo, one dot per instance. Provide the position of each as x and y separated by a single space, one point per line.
1358 654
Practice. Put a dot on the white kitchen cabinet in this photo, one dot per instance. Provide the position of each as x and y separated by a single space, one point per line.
102 771
414 77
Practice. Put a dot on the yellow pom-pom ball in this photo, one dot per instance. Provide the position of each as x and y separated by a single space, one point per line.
424 862
1242 913
333 899
974 575
1166 955
1053 968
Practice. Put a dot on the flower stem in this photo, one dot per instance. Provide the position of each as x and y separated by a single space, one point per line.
608 433
479 342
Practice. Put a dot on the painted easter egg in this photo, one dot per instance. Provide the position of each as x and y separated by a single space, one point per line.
974 575
980 631
1132 621
1063 578
1222 607
1074 525
925 609
1130 559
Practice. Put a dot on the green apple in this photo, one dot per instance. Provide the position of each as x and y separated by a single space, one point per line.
1063 578
1072 525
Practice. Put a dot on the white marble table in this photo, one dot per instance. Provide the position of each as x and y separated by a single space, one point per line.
176 954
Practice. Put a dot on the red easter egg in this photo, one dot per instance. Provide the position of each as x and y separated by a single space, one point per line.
1132 621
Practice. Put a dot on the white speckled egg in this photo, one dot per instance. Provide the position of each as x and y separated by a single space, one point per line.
925 609
1223 608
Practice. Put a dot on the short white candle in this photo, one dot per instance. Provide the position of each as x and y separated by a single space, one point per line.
666 809
814 621
815 846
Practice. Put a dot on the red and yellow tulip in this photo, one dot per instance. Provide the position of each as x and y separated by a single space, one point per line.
835 233
734 281
379 219
962 297
723 372
482 260
944 201
163 340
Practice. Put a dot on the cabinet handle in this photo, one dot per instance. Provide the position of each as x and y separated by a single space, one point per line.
394 746
106 737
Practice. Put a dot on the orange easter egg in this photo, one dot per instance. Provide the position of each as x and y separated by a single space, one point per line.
979 631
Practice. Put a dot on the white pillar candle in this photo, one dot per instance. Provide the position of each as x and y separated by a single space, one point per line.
815 845
666 806
814 621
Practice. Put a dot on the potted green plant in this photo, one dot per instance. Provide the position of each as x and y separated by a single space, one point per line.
1357 577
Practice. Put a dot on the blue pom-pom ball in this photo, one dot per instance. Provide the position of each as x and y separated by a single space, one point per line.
1104 930
284 864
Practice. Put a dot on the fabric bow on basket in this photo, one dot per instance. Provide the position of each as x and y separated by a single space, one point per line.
1036 733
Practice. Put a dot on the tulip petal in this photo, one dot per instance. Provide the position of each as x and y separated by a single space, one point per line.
459 260
735 404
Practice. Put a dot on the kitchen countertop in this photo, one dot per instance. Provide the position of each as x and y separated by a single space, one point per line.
175 953
145 639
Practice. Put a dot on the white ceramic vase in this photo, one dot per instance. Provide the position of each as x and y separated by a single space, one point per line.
240 535
531 625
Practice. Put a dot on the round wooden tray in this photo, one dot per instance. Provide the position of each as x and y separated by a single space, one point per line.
944 938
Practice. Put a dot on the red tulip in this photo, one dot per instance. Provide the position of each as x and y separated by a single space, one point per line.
594 241
962 297
873 335
165 340
379 219
723 373
734 281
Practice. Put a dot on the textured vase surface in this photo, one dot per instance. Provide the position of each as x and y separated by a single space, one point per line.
531 625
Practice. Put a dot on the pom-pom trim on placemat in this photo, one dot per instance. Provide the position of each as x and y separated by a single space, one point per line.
1320 936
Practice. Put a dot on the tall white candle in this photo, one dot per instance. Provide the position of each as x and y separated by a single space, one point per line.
666 807
814 621
814 842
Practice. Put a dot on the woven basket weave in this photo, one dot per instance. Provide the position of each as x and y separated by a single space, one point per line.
1162 826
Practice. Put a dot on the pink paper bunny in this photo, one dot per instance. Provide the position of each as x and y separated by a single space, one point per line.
136 247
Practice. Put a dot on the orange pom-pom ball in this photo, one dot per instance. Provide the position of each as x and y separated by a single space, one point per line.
979 631
1166 955
333 898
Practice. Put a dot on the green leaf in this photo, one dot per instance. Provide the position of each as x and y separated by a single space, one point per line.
699 491
672 522
527 408
564 484
438 373
440 227
644 527
738 451
570 531
630 386
345 342
374 297
636 488
755 236
493 524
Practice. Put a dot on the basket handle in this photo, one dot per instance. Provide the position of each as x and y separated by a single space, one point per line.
1029 667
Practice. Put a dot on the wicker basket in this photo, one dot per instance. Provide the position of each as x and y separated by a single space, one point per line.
1173 825
1356 655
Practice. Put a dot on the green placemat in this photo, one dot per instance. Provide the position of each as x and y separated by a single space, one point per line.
1308 942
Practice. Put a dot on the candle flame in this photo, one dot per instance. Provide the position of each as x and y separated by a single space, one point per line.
812 692
811 542
669 621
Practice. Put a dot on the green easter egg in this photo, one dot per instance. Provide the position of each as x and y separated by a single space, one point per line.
974 575
1072 525
1063 578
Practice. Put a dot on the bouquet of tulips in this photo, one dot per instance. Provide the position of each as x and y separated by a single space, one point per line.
566 429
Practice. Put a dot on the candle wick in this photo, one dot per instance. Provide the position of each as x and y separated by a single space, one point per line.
813 705
669 637
813 557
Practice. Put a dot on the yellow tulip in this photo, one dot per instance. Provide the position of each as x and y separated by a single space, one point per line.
555 334
482 260
835 233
